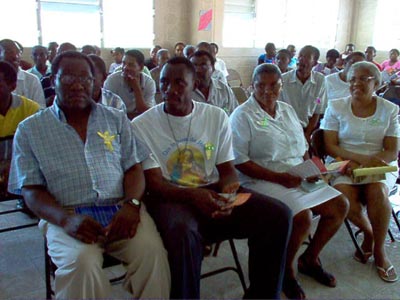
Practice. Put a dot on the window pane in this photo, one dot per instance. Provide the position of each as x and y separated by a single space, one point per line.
75 23
19 22
387 25
128 23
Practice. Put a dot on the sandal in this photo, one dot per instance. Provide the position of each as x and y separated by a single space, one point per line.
292 289
388 275
362 258
316 272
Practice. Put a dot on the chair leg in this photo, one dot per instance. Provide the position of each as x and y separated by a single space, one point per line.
47 268
238 266
392 239
396 219
353 238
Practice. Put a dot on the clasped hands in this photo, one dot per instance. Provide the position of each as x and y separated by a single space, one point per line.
122 226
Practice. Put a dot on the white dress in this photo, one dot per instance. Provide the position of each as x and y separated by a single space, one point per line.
362 135
276 144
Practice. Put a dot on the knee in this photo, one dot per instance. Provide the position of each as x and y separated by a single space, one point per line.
340 206
182 233
86 258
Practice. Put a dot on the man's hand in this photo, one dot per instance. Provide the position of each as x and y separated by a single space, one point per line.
210 203
84 229
288 180
133 81
124 223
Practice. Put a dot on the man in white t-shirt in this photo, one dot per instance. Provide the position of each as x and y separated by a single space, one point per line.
209 89
336 84
304 89
191 163
135 88
28 85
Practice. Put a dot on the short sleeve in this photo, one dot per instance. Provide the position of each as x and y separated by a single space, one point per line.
241 136
149 91
393 129
225 150
330 120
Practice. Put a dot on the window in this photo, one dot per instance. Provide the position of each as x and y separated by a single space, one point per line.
282 22
387 25
106 23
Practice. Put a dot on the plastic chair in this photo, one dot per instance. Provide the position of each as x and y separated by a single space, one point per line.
234 79
5 161
240 94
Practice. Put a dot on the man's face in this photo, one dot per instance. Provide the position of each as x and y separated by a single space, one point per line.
179 50
282 60
153 52
330 61
369 54
52 52
39 56
305 61
163 58
73 84
5 88
271 51
203 67
176 86
292 51
9 52
349 49
117 57
130 67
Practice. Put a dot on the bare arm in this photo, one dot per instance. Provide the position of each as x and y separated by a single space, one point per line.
134 84
45 206
312 124
254 170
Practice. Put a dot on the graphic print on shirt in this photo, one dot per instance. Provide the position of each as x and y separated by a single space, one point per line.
187 167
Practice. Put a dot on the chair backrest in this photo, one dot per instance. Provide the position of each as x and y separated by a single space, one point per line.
234 78
5 162
317 144
240 94
392 94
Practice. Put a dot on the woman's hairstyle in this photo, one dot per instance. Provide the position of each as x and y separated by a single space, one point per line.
265 68
395 50
365 65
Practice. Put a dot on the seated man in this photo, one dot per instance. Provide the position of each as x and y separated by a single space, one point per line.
328 67
336 84
293 59
135 88
80 154
370 53
117 54
101 95
269 55
282 60
28 85
191 163
209 89
13 108
39 57
188 51
304 89
162 58
151 62
217 74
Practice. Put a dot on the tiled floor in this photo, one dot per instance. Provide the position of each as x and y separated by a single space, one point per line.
22 269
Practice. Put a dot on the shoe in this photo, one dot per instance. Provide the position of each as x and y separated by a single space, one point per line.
388 275
362 258
316 272
292 289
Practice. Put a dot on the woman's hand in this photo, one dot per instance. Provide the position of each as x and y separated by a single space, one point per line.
350 167
288 180
372 161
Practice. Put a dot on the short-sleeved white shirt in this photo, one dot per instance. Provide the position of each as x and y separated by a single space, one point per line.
218 75
336 87
362 135
273 143
207 144
221 66
307 99
220 95
28 85
116 84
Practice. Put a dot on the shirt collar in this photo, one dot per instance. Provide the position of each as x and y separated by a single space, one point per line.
293 77
15 101
20 74
59 114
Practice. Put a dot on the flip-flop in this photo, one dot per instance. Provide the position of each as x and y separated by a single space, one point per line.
362 258
389 274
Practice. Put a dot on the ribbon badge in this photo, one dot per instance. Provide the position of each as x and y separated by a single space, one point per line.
375 122
318 100
263 122
107 140
209 148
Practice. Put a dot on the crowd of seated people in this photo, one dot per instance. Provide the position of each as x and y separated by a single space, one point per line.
162 144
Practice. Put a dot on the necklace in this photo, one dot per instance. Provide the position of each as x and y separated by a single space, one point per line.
180 151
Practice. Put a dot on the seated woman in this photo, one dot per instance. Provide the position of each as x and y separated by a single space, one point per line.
364 129
268 140
392 65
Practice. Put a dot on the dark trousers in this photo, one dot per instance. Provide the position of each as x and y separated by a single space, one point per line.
264 221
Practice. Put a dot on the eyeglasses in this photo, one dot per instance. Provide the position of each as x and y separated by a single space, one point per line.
274 87
362 79
70 79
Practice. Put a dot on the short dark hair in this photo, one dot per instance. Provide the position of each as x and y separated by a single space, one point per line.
184 61
200 53
285 52
9 72
136 54
268 45
204 45
372 48
395 50
314 50
118 50
55 66
34 48
88 49
215 45
265 68
355 53
6 42
99 63
179 43
333 53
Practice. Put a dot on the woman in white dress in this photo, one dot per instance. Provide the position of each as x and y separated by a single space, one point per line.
364 129
268 140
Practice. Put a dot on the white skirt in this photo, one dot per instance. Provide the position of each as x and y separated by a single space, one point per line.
295 198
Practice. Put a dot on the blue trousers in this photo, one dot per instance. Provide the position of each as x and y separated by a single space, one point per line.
264 221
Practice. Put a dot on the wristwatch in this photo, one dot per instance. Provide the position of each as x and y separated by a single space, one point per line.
134 202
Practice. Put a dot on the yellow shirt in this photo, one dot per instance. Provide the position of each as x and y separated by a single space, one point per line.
20 109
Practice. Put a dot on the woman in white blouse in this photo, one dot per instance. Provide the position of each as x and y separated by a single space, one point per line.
364 129
268 140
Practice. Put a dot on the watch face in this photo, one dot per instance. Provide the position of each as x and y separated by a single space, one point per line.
135 202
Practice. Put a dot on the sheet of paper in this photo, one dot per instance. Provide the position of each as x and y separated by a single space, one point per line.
305 169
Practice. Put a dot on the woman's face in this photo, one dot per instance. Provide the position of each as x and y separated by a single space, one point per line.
362 83
393 55
267 87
